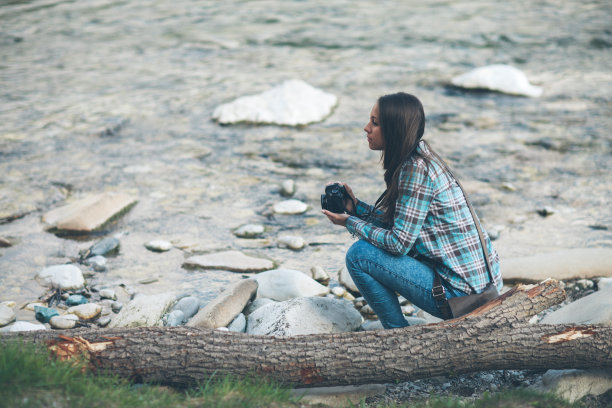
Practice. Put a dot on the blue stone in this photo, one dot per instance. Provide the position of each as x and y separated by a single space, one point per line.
44 314
74 300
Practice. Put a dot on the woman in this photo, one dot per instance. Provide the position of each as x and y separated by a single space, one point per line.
420 226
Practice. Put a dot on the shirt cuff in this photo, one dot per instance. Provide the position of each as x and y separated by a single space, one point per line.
351 224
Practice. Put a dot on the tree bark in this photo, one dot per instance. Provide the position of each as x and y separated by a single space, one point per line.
494 337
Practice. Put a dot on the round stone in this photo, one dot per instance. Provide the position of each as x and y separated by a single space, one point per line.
290 207
63 322
249 231
108 294
292 242
87 311
159 246
287 188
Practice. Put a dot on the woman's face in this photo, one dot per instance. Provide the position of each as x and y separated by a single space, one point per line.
373 133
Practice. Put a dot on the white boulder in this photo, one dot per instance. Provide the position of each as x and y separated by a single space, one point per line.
64 277
283 284
234 261
305 315
144 311
595 308
500 78
292 103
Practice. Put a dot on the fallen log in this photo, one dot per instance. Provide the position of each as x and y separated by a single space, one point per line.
494 337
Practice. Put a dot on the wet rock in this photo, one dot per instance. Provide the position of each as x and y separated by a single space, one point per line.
238 325
256 304
345 279
103 321
87 311
158 246
595 308
225 307
64 277
562 265
23 326
234 261
144 311
7 315
287 188
64 322
108 294
283 284
319 274
292 103
292 242
98 263
249 231
304 315
174 318
189 305
74 300
90 213
43 314
290 207
106 246
575 384
500 78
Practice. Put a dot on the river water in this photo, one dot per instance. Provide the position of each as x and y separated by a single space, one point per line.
105 95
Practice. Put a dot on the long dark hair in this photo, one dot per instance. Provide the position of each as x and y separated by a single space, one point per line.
402 124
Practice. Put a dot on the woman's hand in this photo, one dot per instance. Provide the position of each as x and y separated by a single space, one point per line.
338 219
349 203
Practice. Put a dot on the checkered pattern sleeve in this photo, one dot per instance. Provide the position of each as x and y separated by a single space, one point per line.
415 196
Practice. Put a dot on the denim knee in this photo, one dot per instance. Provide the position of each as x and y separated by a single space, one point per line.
356 252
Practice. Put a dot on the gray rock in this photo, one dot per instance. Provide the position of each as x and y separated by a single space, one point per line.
595 308
7 315
575 384
89 213
250 231
175 318
106 246
108 294
283 284
370 325
256 304
345 279
64 277
97 262
159 246
238 325
287 188
234 261
305 315
144 311
290 207
116 306
225 307
64 322
319 274
189 305
563 265
103 321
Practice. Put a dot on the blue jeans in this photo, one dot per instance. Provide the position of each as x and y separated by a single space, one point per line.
379 275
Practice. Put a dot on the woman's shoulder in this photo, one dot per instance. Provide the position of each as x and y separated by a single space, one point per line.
427 164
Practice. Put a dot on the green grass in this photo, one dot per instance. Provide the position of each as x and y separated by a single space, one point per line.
29 377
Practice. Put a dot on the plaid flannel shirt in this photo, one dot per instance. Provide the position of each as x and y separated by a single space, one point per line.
433 224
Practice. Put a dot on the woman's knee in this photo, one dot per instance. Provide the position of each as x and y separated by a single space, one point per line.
357 252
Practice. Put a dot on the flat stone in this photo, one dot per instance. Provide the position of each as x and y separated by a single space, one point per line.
345 279
87 311
234 261
575 384
249 231
341 396
304 315
498 77
64 277
292 103
159 246
90 213
595 308
292 242
284 284
109 245
290 207
24 326
562 265
7 315
225 307
144 311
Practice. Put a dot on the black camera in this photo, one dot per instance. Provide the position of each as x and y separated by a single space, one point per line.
333 199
